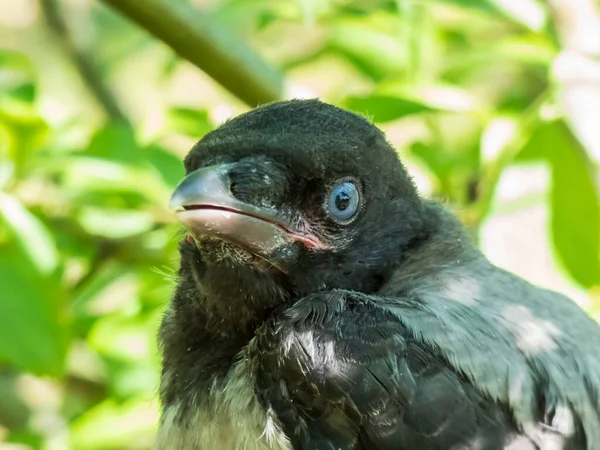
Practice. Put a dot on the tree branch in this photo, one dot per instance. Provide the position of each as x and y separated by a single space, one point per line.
191 35
88 71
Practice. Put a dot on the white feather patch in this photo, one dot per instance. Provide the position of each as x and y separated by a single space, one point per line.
233 419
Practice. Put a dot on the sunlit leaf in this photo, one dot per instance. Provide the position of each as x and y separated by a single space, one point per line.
122 337
31 234
24 92
383 108
437 160
311 9
190 122
244 14
115 142
166 163
539 146
132 378
575 208
82 176
574 200
114 223
529 13
16 76
7 168
115 426
23 131
112 287
32 326
128 345
378 54
535 52
265 19
486 6
12 60
171 63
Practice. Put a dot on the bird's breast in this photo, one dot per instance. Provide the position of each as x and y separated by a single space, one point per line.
230 417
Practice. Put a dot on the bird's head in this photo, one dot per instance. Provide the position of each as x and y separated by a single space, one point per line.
302 192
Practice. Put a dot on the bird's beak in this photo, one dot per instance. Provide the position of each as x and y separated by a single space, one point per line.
205 205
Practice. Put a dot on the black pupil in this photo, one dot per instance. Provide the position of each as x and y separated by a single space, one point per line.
342 201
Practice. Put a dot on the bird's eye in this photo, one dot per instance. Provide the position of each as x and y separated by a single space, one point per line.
343 201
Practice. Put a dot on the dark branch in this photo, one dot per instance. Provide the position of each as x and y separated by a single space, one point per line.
191 35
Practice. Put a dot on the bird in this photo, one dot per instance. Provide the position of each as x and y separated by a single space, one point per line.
323 303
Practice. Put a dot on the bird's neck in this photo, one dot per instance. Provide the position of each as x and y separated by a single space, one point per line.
224 302
212 316
237 300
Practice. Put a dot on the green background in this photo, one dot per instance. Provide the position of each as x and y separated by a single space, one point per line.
492 104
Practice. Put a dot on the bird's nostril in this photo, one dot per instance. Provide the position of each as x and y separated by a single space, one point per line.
258 181
240 190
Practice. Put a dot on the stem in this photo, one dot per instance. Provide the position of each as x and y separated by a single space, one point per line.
89 72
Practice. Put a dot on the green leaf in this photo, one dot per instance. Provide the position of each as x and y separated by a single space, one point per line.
384 108
312 9
7 169
528 13
31 234
530 52
112 288
115 142
377 54
440 162
83 176
121 337
539 146
265 19
574 200
168 165
575 207
32 329
132 378
189 122
114 223
492 8
10 59
16 76
22 132
478 5
115 426
24 92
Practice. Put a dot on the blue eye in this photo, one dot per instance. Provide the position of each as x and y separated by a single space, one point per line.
343 202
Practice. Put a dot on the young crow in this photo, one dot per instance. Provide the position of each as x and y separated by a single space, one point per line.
323 304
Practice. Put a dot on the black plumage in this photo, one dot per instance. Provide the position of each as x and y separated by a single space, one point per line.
298 325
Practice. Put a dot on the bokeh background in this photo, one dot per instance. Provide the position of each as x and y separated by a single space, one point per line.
494 105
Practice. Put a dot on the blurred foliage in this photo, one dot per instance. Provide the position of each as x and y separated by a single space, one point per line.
87 244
